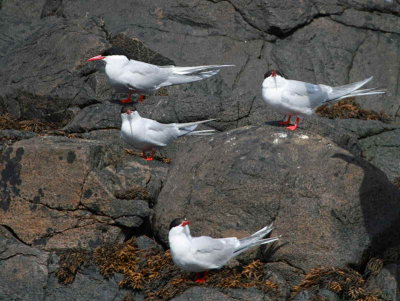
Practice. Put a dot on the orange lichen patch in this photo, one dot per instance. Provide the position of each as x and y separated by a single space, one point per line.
349 108
135 193
347 283
8 122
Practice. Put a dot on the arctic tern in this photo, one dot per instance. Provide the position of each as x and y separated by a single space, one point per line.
292 97
148 135
200 254
131 76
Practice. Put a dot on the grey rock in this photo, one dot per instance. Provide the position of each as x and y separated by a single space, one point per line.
363 19
85 211
203 294
49 80
235 182
52 8
386 282
23 269
284 275
323 294
89 284
382 150
95 117
144 243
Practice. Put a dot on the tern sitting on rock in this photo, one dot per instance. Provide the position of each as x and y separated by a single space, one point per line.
131 76
296 98
200 254
148 135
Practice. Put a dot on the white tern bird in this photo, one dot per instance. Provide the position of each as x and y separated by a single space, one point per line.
148 135
292 97
131 76
200 254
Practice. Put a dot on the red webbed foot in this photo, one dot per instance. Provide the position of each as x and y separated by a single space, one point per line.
287 121
127 100
148 158
295 126
201 277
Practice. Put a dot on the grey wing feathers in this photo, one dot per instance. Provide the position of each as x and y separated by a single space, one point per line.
181 75
206 244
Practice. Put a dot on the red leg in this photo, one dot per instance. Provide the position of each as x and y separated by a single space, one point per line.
141 98
287 121
151 157
201 277
127 100
295 126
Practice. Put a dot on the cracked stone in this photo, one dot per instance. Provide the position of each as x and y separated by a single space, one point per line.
238 181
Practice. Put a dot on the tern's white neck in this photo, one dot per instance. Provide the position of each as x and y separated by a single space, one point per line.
179 237
133 116
274 82
115 65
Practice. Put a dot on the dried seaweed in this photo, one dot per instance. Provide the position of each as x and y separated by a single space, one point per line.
70 262
349 108
8 122
396 182
153 272
347 283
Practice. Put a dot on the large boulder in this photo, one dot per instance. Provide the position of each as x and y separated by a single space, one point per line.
23 269
330 207
74 192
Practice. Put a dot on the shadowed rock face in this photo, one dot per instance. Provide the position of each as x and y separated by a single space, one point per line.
320 197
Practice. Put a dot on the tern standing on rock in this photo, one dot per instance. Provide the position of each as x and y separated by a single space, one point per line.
296 98
200 254
130 76
148 135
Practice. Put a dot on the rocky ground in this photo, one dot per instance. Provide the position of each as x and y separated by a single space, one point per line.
83 219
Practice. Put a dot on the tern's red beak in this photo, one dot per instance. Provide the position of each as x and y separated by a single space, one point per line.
185 223
96 58
273 73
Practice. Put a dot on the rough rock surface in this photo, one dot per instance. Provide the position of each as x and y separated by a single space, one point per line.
320 197
74 192
23 269
387 280
212 294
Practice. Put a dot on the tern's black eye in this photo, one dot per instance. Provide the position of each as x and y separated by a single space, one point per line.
114 51
125 109
269 73
176 222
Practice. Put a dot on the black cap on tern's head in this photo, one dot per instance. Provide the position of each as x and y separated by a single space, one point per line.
114 51
108 52
273 73
178 222
128 109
